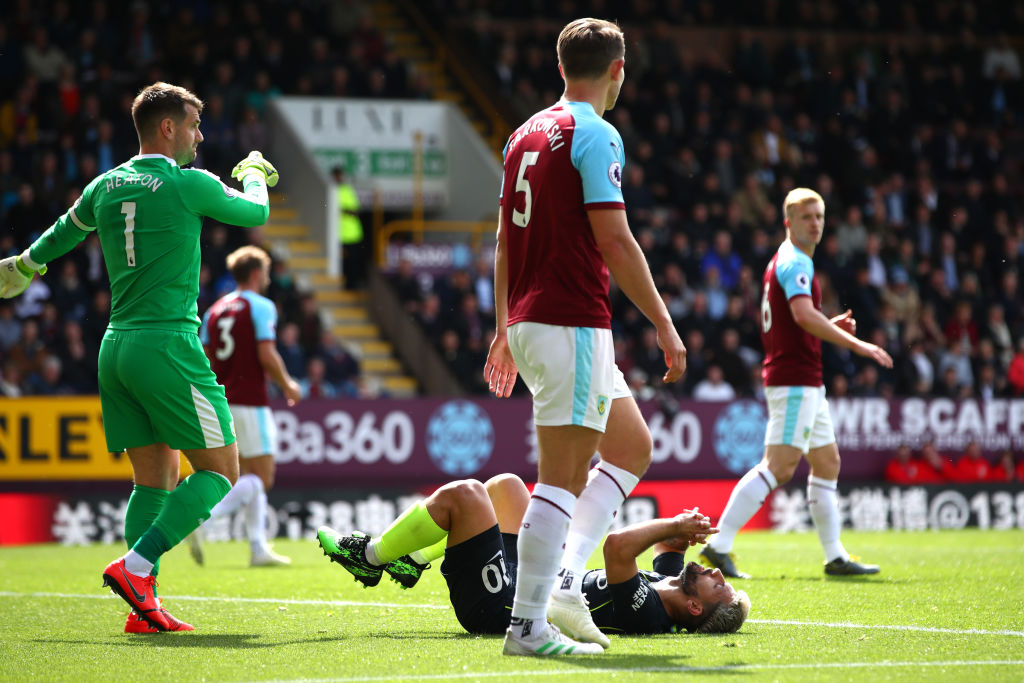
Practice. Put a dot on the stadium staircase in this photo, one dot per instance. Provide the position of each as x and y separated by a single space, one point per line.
345 313
419 45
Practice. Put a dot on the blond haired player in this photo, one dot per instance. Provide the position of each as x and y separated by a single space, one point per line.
799 424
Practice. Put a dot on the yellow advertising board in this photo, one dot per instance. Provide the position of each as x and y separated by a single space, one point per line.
57 439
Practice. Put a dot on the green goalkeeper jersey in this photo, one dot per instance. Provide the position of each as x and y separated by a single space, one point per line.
148 213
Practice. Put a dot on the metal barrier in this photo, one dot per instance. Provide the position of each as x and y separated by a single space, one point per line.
476 230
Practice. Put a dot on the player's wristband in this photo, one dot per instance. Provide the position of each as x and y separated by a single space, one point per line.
27 266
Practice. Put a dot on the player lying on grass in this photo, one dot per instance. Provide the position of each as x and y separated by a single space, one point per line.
475 526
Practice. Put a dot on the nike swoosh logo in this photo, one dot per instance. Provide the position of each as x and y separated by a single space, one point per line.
140 598
494 557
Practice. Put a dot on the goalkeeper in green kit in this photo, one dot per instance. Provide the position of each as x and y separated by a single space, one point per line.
157 390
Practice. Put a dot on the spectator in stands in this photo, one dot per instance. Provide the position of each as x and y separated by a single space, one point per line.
10 380
998 332
48 380
483 284
291 350
431 318
29 352
407 286
1006 468
350 231
79 358
310 323
957 357
314 383
953 160
69 294
961 325
726 355
463 364
341 367
1015 373
904 468
724 258
972 466
27 218
10 327
940 468
714 387
639 385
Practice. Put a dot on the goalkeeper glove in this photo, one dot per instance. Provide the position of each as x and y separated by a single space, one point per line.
15 275
255 163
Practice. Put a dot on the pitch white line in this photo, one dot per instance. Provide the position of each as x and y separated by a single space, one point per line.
350 603
887 627
205 598
656 669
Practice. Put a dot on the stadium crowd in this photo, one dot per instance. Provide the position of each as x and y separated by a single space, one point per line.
904 116
929 466
68 74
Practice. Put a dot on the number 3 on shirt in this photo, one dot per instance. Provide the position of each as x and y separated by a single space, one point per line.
522 218
128 209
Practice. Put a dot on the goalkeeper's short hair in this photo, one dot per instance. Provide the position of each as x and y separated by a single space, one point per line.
159 101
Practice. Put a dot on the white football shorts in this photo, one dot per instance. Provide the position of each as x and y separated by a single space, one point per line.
255 429
799 417
570 371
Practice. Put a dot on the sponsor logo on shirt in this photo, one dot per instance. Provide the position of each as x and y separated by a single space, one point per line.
640 596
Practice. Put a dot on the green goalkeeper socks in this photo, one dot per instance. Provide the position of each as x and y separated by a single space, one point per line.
414 529
186 507
144 505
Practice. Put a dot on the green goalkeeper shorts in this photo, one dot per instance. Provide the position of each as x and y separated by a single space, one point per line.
157 387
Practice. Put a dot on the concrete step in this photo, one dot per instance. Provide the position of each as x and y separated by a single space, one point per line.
337 297
356 331
317 263
283 214
324 280
305 248
344 315
381 366
373 348
400 385
286 230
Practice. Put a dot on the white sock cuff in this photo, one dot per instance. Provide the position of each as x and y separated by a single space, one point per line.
254 480
830 484
560 498
767 476
624 479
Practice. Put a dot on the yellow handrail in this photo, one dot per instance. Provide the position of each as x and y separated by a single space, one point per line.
476 229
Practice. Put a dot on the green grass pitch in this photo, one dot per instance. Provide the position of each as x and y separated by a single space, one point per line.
948 606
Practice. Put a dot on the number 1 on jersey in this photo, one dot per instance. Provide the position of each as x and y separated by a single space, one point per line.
128 209
522 218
